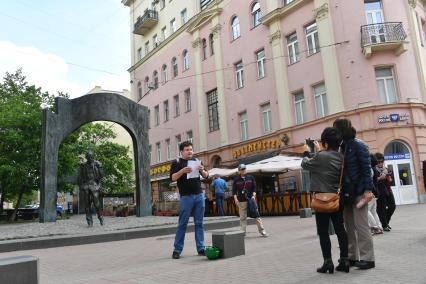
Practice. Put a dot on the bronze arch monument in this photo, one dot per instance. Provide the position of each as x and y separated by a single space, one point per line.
68 116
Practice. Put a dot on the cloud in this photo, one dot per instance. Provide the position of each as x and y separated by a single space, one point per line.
51 72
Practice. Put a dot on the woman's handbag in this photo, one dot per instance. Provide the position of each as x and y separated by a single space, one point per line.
325 202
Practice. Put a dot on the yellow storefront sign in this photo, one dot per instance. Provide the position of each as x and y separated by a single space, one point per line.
259 146
163 169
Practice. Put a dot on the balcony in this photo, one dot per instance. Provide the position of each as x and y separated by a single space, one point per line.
383 37
145 22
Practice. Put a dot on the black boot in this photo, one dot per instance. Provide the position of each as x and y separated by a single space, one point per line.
101 220
327 266
343 265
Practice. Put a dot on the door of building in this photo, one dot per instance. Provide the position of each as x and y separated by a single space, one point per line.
374 14
401 166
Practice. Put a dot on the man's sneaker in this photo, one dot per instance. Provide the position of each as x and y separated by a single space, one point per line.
201 252
264 234
175 255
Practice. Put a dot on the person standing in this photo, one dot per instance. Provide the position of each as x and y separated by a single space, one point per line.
89 181
373 218
219 185
191 198
357 187
325 168
386 201
243 189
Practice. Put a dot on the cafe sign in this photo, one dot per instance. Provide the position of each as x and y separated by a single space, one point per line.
259 146
163 169
393 117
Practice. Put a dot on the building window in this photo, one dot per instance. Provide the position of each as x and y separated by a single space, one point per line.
177 108
157 115
139 90
178 139
146 85
256 14
162 4
164 33
260 59
139 53
204 46
299 104
164 73
146 47
189 135
239 75
187 93
150 153
212 106
211 42
172 26
175 67
168 150
204 4
386 85
154 41
286 2
312 38
321 105
158 147
185 55
235 24
155 79
243 126
184 16
266 118
149 119
293 49
166 110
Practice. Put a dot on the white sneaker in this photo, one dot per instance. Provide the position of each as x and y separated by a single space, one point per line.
264 234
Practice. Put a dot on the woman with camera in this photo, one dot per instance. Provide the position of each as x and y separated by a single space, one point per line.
325 169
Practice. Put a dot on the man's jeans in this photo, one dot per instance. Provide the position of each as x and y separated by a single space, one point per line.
190 205
219 202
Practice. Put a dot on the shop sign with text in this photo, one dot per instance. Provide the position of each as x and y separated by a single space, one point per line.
393 117
259 146
163 169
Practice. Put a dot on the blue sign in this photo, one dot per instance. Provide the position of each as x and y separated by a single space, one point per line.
394 117
397 157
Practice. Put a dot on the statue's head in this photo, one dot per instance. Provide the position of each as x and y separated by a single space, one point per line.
90 156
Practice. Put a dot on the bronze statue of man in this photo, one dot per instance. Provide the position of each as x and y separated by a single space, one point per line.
89 181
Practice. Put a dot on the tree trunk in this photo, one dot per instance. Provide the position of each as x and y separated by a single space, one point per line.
15 211
1 199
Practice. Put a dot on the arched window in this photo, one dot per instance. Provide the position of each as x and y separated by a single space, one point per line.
235 24
146 84
185 56
164 73
396 147
211 42
256 14
174 67
204 43
139 90
155 79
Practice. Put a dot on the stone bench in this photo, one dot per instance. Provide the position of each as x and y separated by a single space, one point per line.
19 269
305 212
230 243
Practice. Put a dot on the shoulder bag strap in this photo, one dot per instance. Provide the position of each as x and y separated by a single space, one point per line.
341 172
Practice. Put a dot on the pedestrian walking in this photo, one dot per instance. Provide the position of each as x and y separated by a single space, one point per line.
219 185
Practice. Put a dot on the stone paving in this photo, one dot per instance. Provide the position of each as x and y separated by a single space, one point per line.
290 255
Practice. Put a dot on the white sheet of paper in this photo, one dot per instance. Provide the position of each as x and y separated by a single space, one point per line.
194 166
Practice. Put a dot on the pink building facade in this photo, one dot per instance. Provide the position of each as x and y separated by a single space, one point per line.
244 79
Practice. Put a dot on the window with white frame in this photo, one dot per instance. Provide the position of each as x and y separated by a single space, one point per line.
212 106
184 16
139 53
164 33
204 48
158 147
260 60
293 49
235 26
155 79
157 115
185 56
299 105
175 67
178 139
266 118
177 107
187 94
189 136
166 110
320 96
256 14
164 73
312 39
139 90
286 2
146 47
172 26
154 41
211 42
162 4
168 150
386 85
243 126
146 85
239 75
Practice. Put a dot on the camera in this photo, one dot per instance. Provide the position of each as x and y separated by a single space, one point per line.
310 143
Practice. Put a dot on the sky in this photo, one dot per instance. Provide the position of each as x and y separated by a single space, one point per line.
66 45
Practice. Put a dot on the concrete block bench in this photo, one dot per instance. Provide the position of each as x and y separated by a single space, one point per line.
19 269
230 243
305 212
